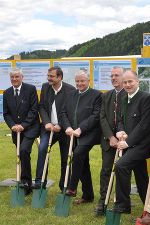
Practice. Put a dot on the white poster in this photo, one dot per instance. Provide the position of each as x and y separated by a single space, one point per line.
5 68
70 68
34 72
1 108
102 72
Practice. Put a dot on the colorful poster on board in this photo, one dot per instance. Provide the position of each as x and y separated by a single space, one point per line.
70 68
102 72
5 68
143 70
1 108
34 72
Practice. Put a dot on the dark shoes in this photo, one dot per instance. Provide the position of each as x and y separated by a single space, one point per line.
28 191
82 201
126 210
38 186
24 185
27 188
71 193
99 209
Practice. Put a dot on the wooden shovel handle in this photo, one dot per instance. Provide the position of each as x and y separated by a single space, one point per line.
111 180
47 156
18 157
147 200
68 162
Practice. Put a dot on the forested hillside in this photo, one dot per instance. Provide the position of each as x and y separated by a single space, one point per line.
125 42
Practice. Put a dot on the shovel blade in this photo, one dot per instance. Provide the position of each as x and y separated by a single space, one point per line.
112 218
62 207
39 198
17 197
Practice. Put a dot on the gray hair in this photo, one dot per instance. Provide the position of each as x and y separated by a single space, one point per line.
119 67
15 70
83 72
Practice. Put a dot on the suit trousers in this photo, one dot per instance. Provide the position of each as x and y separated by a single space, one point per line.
81 171
42 151
107 164
133 159
25 150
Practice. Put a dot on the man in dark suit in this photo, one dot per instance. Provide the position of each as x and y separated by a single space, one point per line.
20 110
80 117
53 94
111 103
135 123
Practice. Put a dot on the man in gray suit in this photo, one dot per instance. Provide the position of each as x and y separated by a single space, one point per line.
111 103
53 94
135 123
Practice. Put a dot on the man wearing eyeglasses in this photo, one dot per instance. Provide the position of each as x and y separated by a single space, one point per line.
53 94
111 105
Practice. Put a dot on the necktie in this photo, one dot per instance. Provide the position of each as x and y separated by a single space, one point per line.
16 95
115 108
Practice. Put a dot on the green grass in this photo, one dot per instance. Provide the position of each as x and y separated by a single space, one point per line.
82 214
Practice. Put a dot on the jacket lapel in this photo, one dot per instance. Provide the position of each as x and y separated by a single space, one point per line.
124 109
21 96
12 96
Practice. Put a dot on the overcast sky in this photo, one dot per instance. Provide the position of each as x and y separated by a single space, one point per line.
27 25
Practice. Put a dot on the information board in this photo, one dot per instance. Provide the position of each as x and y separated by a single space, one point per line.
70 68
1 108
143 70
5 68
34 72
102 72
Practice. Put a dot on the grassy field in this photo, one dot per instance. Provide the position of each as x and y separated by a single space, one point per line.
82 214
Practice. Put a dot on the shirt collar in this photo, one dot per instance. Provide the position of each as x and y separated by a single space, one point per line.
131 96
58 90
118 91
81 92
19 88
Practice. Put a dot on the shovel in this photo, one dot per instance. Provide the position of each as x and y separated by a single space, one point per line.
112 218
39 195
63 201
147 202
18 195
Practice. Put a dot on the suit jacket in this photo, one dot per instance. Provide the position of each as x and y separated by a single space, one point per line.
47 98
25 112
107 116
135 119
87 115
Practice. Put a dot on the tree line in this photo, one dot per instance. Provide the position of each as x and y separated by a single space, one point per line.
128 41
